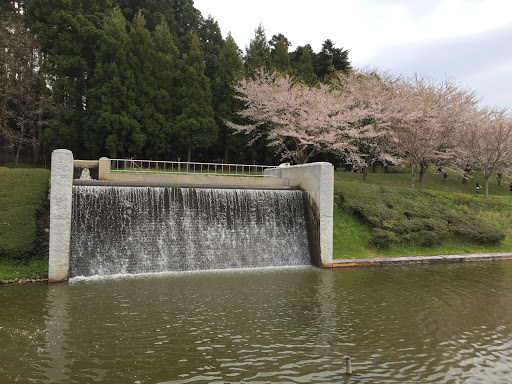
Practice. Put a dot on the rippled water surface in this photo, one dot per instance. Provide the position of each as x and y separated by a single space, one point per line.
439 324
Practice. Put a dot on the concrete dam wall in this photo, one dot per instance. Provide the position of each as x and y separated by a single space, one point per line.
105 229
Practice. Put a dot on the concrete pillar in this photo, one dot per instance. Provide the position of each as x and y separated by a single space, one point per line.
60 214
104 168
317 179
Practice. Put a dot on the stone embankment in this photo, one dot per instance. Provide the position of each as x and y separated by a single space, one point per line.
22 281
388 261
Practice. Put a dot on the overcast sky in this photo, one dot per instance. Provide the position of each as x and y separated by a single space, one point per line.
468 40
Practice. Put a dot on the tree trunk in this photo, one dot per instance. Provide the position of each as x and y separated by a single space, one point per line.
386 169
413 174
499 178
487 185
226 143
36 148
189 151
226 153
17 156
365 172
374 167
423 170
466 175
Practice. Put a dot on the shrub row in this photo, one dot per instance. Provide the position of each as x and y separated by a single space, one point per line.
416 218
24 210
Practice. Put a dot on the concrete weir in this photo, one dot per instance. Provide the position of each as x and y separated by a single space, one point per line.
316 180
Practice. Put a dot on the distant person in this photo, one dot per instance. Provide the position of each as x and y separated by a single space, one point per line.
510 187
477 187
445 175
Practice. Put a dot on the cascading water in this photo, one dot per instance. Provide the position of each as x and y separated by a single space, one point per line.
119 230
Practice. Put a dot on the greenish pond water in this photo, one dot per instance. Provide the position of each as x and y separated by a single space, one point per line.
438 324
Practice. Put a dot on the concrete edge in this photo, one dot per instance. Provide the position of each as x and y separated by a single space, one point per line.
389 261
103 183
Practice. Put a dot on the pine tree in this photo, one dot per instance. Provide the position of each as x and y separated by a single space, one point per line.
228 71
112 127
279 53
195 124
329 60
167 63
142 59
184 23
211 37
258 53
304 68
67 32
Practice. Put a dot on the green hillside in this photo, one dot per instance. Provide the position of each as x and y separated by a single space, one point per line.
383 217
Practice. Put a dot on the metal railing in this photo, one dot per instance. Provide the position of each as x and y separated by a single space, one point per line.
169 167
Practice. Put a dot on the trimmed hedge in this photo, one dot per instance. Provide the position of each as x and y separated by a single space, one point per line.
416 218
24 211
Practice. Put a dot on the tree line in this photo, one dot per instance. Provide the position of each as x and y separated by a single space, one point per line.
156 80
126 78
368 117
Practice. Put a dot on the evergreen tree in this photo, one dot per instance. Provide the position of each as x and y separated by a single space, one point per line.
304 68
184 23
167 62
112 127
153 11
330 60
142 59
279 53
211 37
67 32
258 53
195 124
228 71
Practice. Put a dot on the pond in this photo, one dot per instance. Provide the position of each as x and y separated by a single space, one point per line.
439 324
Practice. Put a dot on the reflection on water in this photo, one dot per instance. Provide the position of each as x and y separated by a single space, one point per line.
442 324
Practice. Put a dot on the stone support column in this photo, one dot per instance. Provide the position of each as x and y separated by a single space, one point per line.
61 194
317 179
104 168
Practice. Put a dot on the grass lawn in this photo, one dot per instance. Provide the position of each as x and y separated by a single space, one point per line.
354 236
35 269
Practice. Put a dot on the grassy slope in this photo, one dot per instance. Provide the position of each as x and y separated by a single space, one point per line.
23 192
352 238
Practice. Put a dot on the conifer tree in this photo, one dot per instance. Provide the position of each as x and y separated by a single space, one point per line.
142 59
279 53
211 37
184 23
67 32
329 60
258 53
304 68
195 124
166 65
112 128
228 71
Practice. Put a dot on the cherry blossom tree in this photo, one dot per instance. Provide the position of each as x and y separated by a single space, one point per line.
366 101
427 113
300 120
486 142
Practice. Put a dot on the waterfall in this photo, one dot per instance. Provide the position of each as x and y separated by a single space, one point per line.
154 229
